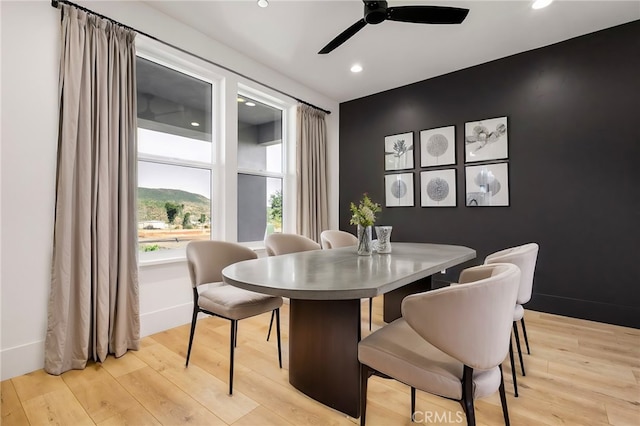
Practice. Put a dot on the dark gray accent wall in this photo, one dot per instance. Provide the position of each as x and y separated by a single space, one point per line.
574 166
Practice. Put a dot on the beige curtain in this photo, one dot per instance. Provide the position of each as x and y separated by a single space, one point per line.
311 168
93 303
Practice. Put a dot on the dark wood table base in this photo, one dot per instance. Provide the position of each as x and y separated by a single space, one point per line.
393 299
323 352
323 346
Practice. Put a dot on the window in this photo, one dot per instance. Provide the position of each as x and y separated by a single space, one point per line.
260 169
174 157
209 166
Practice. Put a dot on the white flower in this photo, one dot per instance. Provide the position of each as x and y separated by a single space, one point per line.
367 213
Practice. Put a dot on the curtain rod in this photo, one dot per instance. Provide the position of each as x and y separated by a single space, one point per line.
55 3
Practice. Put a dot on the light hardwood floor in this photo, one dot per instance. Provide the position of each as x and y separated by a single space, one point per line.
579 373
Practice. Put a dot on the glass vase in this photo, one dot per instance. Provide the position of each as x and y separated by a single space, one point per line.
383 233
365 245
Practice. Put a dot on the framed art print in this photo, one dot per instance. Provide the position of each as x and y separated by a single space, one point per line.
399 190
486 140
487 185
437 146
398 151
438 188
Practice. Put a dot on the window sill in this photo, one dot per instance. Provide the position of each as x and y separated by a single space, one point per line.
180 256
162 257
162 261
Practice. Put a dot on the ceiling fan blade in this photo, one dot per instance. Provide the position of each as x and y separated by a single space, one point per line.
342 37
427 14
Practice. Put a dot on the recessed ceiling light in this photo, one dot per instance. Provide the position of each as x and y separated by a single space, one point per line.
356 68
263 3
195 124
240 100
539 4
250 104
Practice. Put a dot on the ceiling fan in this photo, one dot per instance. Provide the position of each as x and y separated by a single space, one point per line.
378 11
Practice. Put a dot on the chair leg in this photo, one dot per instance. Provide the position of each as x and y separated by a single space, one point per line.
233 331
524 331
515 332
503 399
277 312
413 403
467 395
270 324
513 369
194 318
370 311
365 372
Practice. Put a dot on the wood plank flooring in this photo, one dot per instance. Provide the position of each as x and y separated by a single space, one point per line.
579 373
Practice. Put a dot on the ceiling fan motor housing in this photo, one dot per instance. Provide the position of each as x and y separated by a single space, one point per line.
375 11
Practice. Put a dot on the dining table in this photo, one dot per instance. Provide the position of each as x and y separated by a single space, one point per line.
324 288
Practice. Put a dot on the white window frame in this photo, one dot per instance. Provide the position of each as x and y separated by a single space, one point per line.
235 86
226 87
248 92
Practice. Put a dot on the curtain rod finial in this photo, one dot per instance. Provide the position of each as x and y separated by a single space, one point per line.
54 3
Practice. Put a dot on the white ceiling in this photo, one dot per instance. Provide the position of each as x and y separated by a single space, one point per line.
287 35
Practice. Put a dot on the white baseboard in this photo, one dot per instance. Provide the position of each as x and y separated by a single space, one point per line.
24 359
21 360
164 319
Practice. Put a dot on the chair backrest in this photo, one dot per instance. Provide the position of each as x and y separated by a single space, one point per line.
277 244
470 322
524 257
334 238
207 259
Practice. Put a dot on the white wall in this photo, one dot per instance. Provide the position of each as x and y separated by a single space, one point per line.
29 84
29 146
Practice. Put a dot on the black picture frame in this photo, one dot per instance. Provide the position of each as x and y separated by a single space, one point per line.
438 146
398 152
438 188
486 140
399 190
487 185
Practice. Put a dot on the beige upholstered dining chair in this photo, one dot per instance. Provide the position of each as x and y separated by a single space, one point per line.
333 238
449 342
206 260
525 257
277 244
